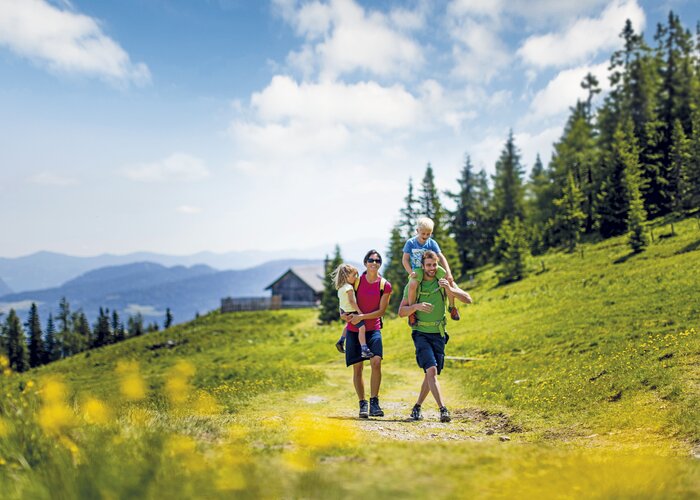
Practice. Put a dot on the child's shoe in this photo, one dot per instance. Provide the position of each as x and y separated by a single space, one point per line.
366 353
412 319
340 345
454 313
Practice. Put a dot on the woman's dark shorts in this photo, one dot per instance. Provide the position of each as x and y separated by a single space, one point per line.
430 350
353 350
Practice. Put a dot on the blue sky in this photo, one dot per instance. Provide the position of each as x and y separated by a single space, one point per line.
180 126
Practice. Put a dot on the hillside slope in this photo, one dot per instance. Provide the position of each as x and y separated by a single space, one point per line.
584 384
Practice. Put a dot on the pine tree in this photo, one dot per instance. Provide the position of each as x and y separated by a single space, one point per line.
64 327
329 299
513 251
168 319
393 270
117 327
539 206
569 221
636 215
690 177
82 336
464 219
16 343
431 206
36 344
680 162
101 330
613 201
508 191
52 346
409 214
135 325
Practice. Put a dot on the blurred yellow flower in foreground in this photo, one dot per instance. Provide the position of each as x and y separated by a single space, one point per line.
183 449
55 415
96 412
4 362
177 385
4 428
318 433
206 405
53 390
132 385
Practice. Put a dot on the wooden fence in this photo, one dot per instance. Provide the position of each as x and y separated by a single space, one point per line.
230 304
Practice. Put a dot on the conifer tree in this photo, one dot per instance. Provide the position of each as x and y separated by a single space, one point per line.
117 327
539 206
329 299
64 327
409 213
690 177
513 251
168 319
636 215
101 330
680 162
431 206
569 220
613 200
52 349
464 219
135 325
508 191
393 270
81 336
36 343
16 343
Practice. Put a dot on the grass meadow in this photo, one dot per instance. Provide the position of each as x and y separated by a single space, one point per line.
583 381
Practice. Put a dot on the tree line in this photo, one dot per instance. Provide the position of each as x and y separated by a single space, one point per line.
28 345
634 158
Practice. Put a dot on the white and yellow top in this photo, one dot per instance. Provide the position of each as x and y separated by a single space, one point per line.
343 297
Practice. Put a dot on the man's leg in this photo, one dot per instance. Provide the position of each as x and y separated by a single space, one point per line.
424 391
431 378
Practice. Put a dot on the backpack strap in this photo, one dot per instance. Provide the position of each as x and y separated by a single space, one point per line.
382 285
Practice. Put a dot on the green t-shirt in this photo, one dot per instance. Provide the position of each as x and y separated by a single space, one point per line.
429 292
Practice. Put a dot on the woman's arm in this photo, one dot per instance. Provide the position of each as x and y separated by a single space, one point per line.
383 304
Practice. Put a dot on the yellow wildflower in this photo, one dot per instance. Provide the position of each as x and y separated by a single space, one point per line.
53 391
177 386
96 412
4 428
206 405
132 386
4 361
54 418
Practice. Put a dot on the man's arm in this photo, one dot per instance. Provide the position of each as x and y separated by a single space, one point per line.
443 261
405 309
455 291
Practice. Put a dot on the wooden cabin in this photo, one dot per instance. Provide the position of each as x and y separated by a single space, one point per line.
300 286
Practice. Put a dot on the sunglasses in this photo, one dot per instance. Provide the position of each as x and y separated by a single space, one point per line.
374 261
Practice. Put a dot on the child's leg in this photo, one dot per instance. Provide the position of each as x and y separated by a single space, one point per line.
340 345
362 336
412 293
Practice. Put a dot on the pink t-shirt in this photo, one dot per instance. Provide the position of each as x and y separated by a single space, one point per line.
368 298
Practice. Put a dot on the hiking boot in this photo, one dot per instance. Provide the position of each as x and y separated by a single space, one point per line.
364 409
454 313
416 413
444 415
374 409
366 353
340 345
412 319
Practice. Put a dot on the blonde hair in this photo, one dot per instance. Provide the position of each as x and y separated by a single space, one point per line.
341 274
425 223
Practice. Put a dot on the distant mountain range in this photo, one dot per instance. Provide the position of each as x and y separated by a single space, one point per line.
4 289
44 270
149 288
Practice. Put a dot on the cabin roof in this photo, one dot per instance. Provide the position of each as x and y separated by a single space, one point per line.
311 275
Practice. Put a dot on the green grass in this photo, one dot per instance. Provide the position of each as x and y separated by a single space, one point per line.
591 369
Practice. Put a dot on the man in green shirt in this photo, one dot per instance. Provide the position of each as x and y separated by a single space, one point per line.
429 335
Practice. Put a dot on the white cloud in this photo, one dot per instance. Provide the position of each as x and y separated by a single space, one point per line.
479 53
532 144
361 104
52 179
583 39
342 37
66 42
189 209
564 90
176 167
